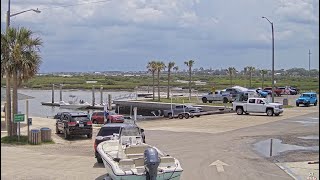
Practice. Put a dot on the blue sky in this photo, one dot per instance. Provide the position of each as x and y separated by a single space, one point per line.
125 34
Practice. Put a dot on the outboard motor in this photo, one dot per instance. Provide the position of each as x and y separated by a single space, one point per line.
151 163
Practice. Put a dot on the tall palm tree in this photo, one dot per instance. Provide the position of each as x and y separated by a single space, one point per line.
189 64
159 67
24 60
171 65
152 68
263 72
231 71
250 70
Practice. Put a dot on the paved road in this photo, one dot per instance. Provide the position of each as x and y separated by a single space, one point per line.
195 142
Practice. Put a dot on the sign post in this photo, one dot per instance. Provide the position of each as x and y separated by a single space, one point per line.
17 119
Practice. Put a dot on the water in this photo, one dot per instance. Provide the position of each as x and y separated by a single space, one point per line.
263 147
38 110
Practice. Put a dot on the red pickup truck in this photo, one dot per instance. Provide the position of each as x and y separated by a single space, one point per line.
277 91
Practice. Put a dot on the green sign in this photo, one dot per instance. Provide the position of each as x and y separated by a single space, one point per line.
18 118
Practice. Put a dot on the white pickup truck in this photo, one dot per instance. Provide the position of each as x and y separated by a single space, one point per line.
257 105
217 96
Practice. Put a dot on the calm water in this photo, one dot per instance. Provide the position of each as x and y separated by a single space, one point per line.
38 110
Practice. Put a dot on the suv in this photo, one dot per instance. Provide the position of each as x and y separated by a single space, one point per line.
107 131
97 117
74 123
111 117
307 99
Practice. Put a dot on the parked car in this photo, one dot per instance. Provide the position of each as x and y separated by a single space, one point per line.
113 117
233 91
307 99
74 123
277 91
284 90
181 109
57 116
217 96
97 117
257 105
109 131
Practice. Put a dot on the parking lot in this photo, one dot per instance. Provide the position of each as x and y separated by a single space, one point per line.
199 143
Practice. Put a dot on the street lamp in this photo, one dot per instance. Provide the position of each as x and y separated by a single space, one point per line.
272 57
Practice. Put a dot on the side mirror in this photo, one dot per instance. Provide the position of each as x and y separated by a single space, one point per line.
142 130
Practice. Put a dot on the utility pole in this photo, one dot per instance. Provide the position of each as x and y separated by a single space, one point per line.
309 62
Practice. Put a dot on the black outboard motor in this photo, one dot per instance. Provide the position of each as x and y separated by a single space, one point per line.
151 163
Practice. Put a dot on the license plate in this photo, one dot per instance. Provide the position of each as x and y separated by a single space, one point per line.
81 125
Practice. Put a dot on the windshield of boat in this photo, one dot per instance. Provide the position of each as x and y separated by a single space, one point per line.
108 131
132 131
80 118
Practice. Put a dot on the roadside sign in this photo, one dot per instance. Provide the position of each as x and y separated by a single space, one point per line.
29 121
18 118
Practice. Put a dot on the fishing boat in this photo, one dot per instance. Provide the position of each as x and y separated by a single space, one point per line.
74 104
126 157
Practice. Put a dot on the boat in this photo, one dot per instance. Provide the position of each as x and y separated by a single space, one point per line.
126 157
73 104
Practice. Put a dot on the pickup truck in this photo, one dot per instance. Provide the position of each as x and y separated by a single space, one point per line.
257 105
217 96
181 110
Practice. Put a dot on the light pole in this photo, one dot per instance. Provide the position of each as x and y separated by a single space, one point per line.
272 57
8 87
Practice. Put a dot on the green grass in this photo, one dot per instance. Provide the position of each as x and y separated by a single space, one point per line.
23 140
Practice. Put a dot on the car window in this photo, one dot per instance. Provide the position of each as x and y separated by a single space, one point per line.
100 113
107 131
79 118
305 95
251 100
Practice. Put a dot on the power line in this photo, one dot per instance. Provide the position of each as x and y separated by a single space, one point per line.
78 4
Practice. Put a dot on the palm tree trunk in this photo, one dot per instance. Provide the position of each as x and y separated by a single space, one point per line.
262 80
168 90
14 100
8 105
159 86
153 85
250 80
190 83
231 80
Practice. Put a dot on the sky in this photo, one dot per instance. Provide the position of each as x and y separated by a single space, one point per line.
124 35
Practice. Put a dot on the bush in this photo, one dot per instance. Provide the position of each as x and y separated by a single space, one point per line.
14 140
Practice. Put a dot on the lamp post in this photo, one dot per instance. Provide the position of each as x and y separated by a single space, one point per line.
8 87
272 57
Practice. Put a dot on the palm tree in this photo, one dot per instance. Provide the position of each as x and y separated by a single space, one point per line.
189 64
171 65
24 60
263 72
231 71
159 67
152 68
250 70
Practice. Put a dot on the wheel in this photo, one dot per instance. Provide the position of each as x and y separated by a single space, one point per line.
276 114
210 101
170 116
270 112
108 121
204 100
225 100
180 116
246 113
239 111
66 135
94 122
297 104
99 160
89 136
315 104
186 115
197 115
57 130
307 104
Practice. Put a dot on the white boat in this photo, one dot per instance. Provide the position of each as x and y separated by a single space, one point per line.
126 157
73 104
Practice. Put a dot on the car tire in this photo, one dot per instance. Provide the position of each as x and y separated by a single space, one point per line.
307 104
66 135
89 136
197 115
246 113
99 160
297 104
315 104
239 111
170 116
210 101
204 100
57 130
225 100
94 122
276 114
270 112
180 116
186 115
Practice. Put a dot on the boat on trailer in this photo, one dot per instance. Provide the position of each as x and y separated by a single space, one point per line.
126 157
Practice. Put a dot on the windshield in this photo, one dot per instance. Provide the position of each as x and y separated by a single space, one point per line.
80 118
108 131
305 95
130 132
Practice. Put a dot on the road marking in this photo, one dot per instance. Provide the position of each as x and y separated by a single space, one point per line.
219 165
313 117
